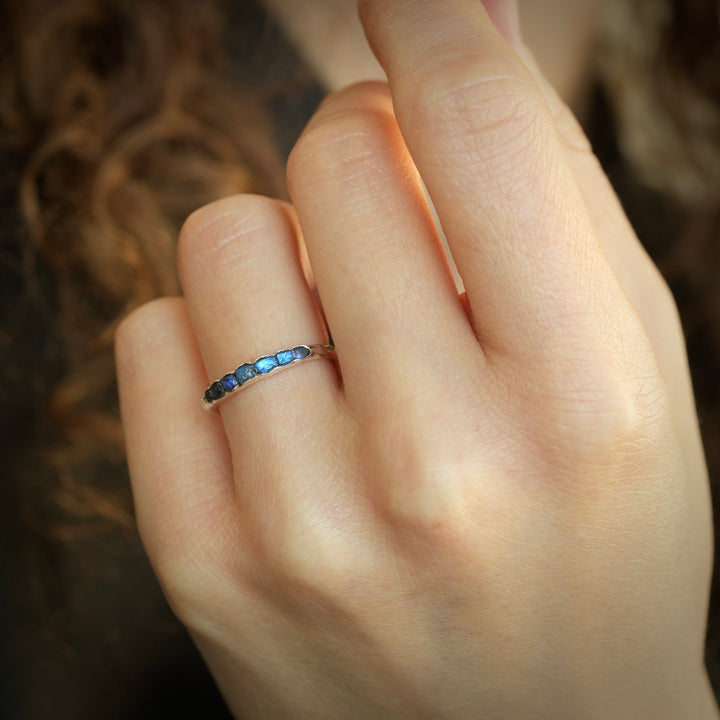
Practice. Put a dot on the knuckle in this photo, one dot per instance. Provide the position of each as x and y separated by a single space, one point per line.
220 234
610 416
196 597
433 502
338 145
427 487
495 114
194 576
184 587
145 324
310 559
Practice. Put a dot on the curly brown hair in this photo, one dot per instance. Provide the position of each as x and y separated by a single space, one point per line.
137 119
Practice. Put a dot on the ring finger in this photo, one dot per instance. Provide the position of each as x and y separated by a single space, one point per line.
247 297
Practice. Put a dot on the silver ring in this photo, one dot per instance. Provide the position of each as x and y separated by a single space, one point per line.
248 373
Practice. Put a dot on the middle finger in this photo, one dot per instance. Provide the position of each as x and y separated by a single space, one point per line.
398 325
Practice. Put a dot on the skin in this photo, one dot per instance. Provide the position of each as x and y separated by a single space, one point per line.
329 36
495 505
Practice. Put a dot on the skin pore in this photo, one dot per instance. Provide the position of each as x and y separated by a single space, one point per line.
328 34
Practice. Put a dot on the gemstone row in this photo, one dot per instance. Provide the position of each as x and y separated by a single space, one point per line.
232 381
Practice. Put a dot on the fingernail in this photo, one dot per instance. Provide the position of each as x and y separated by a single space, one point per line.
506 18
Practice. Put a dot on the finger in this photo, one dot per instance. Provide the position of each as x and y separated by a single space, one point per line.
630 262
486 146
247 297
637 274
177 453
381 273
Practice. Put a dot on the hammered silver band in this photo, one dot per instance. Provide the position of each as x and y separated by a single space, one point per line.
248 373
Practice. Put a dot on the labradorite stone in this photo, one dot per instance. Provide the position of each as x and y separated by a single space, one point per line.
229 382
300 352
245 372
266 364
285 357
214 392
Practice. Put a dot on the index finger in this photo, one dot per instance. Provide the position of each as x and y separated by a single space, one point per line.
484 140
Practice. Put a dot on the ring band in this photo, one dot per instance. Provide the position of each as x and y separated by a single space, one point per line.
250 372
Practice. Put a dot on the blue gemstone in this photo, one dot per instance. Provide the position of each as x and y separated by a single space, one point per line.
215 391
245 372
266 364
285 357
300 352
229 382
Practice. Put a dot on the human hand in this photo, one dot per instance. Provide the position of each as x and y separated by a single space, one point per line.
496 505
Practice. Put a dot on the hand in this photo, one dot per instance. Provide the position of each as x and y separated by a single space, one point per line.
496 505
